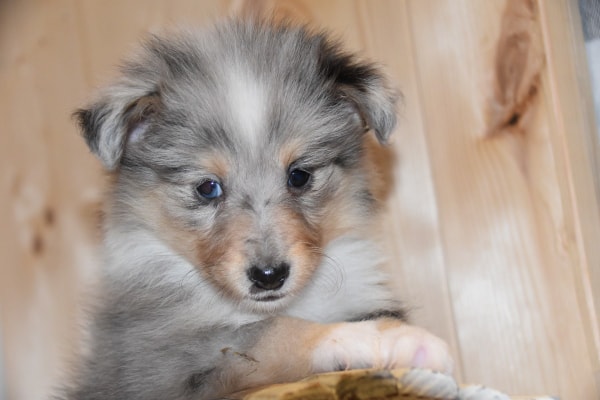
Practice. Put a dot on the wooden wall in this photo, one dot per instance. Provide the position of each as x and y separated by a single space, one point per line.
492 223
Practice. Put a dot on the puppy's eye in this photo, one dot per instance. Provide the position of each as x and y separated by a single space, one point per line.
209 189
298 178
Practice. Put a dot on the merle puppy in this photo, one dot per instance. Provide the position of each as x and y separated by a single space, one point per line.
237 249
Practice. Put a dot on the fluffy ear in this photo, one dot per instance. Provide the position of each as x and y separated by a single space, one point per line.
119 116
364 85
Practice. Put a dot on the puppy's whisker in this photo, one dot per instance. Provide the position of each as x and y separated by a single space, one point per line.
332 282
336 279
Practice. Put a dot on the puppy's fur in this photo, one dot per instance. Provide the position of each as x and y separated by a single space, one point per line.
223 269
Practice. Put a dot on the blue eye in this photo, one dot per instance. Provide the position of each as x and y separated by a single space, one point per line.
209 189
298 178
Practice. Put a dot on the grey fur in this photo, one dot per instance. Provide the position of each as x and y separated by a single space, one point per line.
160 328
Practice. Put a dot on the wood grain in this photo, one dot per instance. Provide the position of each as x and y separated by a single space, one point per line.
492 214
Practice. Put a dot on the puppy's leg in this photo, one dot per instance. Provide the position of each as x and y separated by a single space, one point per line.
289 349
383 343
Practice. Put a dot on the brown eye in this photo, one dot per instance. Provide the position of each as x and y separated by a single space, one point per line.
298 178
209 189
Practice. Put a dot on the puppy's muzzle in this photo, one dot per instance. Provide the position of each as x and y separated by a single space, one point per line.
268 277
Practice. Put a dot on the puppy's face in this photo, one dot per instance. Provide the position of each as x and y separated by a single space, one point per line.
242 150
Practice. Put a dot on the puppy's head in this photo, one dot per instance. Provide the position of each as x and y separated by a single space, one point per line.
243 150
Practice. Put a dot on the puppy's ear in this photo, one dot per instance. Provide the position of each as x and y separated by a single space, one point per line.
364 85
120 116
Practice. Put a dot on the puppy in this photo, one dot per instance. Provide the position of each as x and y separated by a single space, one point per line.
237 248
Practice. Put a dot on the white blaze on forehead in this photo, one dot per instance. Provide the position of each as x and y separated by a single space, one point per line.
247 99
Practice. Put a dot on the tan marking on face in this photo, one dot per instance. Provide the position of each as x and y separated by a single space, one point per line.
379 161
342 214
213 252
217 253
166 228
222 257
290 152
216 164
304 246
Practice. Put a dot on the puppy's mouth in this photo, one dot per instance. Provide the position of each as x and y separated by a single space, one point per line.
269 298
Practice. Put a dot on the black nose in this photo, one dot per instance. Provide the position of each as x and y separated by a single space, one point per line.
270 277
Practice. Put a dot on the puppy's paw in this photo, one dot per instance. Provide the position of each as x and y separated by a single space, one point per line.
381 344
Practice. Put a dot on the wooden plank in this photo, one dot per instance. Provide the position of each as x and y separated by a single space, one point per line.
48 182
576 145
512 283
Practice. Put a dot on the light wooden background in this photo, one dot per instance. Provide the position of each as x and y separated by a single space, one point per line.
492 224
